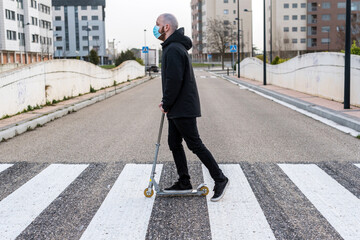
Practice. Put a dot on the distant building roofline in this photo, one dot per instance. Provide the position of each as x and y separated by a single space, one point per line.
78 3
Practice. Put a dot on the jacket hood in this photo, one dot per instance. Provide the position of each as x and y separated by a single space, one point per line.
178 36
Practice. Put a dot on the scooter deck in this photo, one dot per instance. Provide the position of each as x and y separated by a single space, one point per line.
192 193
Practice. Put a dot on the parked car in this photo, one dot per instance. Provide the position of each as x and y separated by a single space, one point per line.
153 69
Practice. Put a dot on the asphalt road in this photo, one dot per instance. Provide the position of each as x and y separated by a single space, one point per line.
75 178
236 125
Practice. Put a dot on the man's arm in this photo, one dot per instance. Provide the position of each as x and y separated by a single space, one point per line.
175 67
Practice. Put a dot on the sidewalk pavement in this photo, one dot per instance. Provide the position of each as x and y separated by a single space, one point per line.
18 124
322 107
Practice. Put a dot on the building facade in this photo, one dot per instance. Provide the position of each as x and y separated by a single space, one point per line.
79 27
326 24
225 10
286 28
26 31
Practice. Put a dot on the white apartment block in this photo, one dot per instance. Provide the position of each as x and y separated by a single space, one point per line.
286 27
26 31
226 10
79 27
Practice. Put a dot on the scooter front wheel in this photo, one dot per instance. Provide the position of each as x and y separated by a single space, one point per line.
205 190
148 193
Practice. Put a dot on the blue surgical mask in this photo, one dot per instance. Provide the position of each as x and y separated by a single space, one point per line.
156 31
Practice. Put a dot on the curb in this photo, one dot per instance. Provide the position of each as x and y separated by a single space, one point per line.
324 112
19 128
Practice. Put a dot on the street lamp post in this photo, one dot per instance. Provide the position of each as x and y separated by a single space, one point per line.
48 42
252 49
26 57
238 35
146 62
88 39
347 56
264 60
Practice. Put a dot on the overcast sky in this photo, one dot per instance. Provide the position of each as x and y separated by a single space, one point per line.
127 19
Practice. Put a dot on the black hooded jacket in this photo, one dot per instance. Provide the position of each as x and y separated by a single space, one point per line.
180 94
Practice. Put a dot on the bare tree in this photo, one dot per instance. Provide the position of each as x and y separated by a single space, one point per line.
219 37
355 33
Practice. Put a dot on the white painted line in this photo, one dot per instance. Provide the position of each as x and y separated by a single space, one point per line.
202 76
340 207
3 167
21 207
358 165
238 215
212 77
125 212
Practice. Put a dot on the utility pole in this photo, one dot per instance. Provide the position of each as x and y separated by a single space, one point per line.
88 38
238 35
264 60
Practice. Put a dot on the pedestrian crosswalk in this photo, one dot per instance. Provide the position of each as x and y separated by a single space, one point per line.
263 201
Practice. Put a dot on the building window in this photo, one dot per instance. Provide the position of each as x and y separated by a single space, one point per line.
57 8
325 40
303 40
57 18
325 17
58 28
234 11
303 5
21 37
303 29
286 40
43 8
325 5
294 29
85 38
35 38
226 11
34 21
59 48
226 1
11 35
94 7
84 18
84 28
294 17
303 17
226 22
85 48
286 17
33 4
83 7
95 28
286 5
94 17
59 39
325 29
294 5
341 17
234 22
95 38
10 14
286 29
341 4
20 4
294 40
20 19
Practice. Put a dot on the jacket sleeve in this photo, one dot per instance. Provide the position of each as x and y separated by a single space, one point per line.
175 67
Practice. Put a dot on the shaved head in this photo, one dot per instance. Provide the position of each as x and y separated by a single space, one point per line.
168 25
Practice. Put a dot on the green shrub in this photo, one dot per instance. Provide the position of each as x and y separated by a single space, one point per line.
92 90
354 49
261 57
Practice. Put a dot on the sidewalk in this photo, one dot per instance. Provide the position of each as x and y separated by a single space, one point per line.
322 107
15 125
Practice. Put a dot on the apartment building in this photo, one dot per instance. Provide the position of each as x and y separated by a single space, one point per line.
26 31
326 24
286 28
225 10
79 27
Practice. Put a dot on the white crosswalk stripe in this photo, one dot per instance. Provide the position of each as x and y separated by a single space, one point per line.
21 207
125 207
336 204
238 215
125 212
3 167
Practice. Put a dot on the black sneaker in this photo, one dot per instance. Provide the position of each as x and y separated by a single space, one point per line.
179 187
219 189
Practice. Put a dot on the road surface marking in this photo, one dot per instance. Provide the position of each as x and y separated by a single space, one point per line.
358 165
340 208
3 167
238 215
125 212
21 207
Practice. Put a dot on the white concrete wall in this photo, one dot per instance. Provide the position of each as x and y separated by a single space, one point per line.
61 78
318 74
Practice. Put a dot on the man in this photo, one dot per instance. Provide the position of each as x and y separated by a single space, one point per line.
182 105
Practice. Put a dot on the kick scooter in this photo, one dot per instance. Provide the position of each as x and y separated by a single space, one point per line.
201 190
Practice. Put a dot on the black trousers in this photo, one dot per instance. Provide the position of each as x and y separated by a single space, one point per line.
186 128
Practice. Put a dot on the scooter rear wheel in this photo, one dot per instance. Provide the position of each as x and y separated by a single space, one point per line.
147 193
205 190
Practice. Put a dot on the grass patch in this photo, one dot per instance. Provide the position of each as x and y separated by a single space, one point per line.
197 65
92 90
108 66
5 117
358 137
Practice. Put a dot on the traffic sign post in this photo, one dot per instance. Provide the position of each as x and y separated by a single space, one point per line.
233 49
145 49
